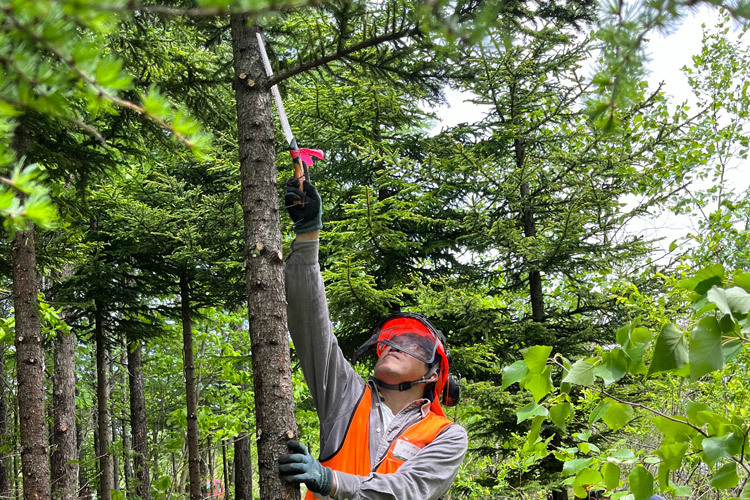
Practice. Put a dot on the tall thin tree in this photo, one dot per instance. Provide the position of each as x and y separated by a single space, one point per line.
138 421
29 358
104 491
64 460
194 459
5 437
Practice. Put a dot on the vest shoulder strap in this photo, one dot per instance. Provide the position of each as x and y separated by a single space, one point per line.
353 456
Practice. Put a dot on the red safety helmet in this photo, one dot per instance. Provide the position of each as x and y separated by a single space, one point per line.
413 334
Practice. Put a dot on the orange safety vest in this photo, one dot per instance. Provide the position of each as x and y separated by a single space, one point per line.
353 457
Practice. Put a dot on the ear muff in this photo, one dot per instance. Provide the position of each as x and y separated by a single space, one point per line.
452 391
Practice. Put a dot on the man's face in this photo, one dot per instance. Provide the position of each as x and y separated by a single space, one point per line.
396 367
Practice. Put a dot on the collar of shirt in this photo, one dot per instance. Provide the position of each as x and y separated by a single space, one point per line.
422 403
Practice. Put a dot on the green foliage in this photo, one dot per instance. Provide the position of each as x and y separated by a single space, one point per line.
718 438
24 200
58 68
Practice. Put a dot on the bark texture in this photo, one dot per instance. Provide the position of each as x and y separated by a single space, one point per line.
142 486
104 491
194 458
6 440
65 451
126 446
243 469
264 280
30 369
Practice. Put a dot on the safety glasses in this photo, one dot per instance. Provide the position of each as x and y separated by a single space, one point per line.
409 336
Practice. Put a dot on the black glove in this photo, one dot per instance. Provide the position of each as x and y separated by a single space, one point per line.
301 467
304 207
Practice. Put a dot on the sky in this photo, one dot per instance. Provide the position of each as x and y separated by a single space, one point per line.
668 53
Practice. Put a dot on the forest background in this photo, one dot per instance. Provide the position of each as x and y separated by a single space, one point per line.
143 258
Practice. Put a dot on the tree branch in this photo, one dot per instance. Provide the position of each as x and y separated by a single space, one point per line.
275 79
171 11
655 412
102 92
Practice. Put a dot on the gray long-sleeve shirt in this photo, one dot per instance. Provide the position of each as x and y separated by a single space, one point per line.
336 389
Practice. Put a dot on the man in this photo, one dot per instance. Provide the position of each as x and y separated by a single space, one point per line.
385 438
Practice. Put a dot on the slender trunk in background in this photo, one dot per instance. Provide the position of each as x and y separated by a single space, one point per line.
264 268
174 468
194 459
104 491
84 490
115 457
209 445
243 469
29 357
225 475
6 439
65 452
126 447
16 446
204 475
126 452
536 293
181 484
155 453
138 427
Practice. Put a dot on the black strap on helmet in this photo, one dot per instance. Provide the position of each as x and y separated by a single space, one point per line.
405 386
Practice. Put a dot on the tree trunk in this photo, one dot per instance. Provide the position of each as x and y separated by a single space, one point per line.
102 404
16 446
204 475
181 486
264 281
115 458
126 447
84 489
209 452
138 422
210 459
226 470
243 469
194 459
155 439
559 495
30 369
6 438
529 230
536 292
65 452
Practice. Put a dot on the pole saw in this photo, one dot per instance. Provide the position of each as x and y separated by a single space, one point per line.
301 158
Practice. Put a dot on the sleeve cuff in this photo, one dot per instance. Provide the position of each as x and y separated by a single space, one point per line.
304 253
348 486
